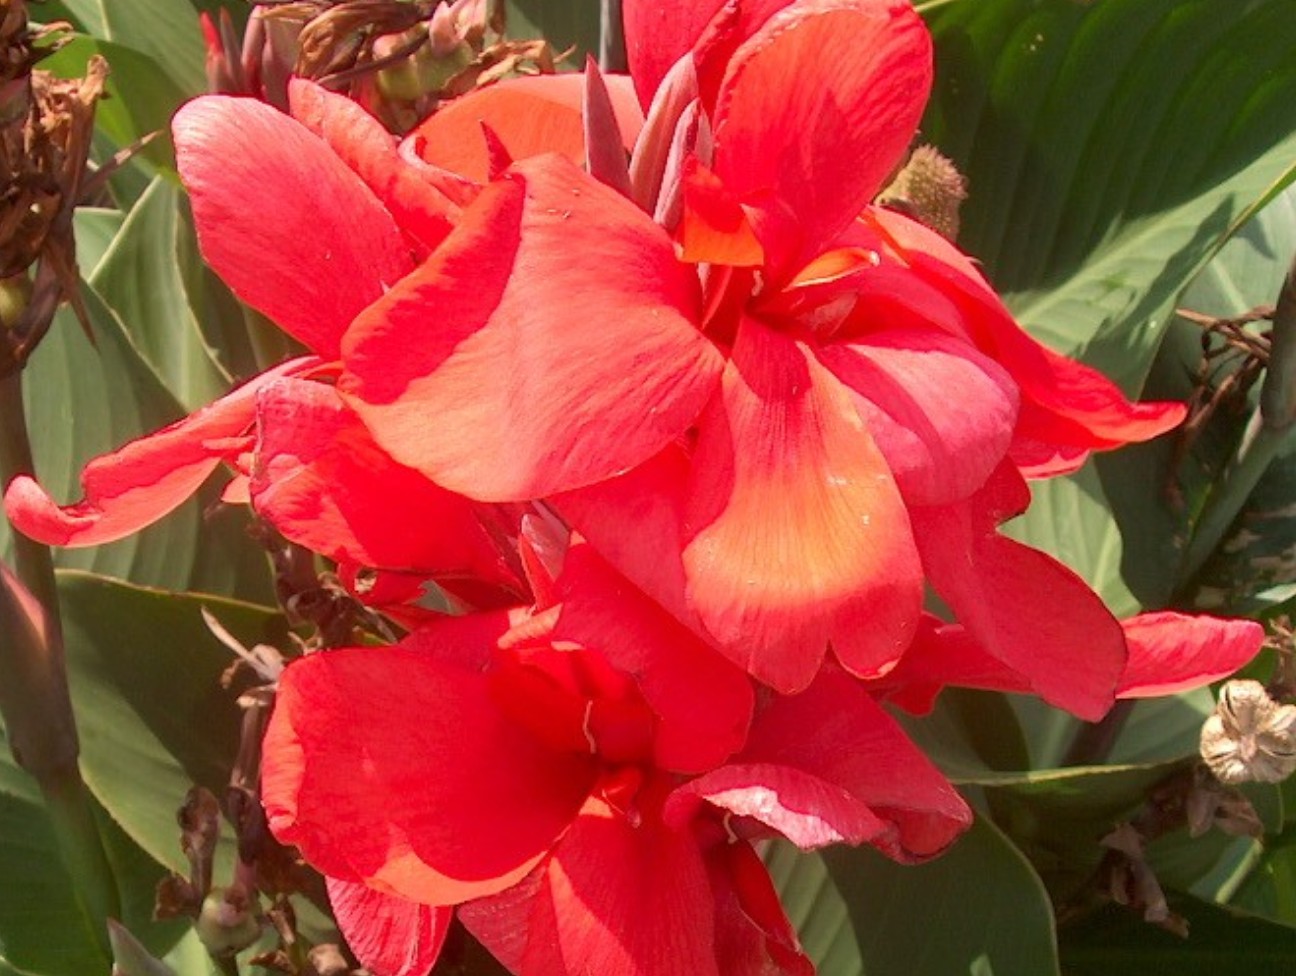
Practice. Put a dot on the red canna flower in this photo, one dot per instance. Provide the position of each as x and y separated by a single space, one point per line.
775 379
309 219
581 781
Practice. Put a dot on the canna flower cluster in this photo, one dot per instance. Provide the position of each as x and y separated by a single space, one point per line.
637 373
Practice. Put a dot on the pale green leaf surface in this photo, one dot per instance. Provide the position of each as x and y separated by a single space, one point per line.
145 678
815 908
991 912
141 279
164 30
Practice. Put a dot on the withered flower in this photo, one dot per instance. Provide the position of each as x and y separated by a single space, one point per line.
46 126
1250 737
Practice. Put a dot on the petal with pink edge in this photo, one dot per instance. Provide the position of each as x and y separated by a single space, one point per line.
1173 652
1026 608
551 338
146 479
389 935
816 110
1067 408
795 776
531 116
286 223
391 767
941 413
797 535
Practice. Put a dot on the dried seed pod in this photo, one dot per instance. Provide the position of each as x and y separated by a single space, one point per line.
1250 737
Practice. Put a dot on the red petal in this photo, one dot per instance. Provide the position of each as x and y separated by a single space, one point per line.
797 534
360 141
703 703
1066 406
563 348
531 116
657 34
623 899
831 765
389 935
321 480
816 110
753 935
939 447
1173 652
257 181
715 228
1026 608
135 486
391 767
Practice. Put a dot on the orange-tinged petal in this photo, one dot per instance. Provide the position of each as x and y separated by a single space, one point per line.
283 220
323 483
796 533
815 111
136 485
531 116
422 211
551 338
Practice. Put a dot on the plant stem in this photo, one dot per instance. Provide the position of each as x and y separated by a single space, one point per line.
34 699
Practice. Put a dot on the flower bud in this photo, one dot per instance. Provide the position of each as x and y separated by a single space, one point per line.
228 922
1250 737
930 189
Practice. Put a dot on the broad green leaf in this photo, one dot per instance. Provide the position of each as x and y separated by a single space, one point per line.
154 720
978 909
1109 147
85 400
1116 942
142 280
95 229
969 733
165 31
42 930
563 25
815 908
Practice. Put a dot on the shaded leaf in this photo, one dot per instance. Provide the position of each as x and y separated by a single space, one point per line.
815 908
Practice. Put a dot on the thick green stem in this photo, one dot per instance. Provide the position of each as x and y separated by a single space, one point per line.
34 699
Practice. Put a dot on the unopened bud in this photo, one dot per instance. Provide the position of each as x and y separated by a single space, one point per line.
228 923
930 189
1250 737
15 293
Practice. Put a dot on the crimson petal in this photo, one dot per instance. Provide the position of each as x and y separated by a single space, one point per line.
393 767
389 935
551 337
288 226
703 702
1173 652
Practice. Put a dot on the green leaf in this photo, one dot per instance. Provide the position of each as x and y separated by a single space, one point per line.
142 279
815 908
563 25
42 930
1117 942
83 401
1109 148
154 720
979 909
165 31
